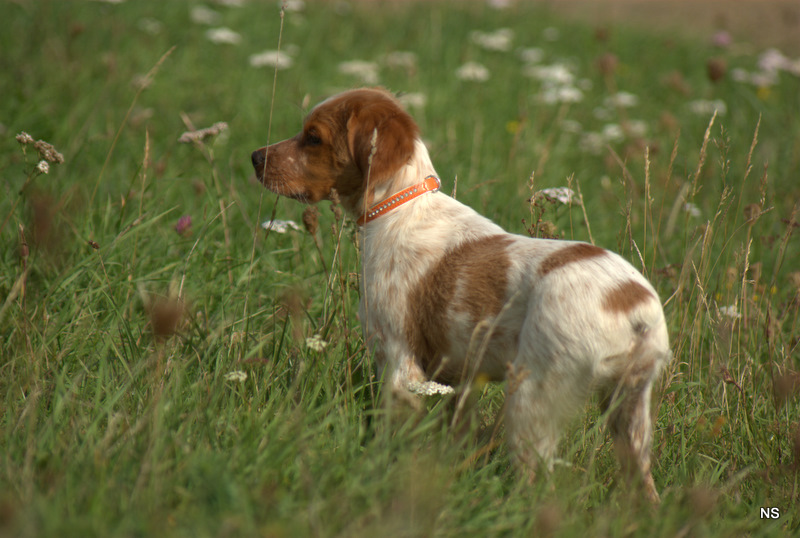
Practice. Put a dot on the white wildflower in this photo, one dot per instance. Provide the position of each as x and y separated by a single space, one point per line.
731 311
413 100
561 94
223 36
593 143
24 138
43 167
532 55
553 74
637 128
280 226
773 60
429 388
316 343
704 107
602 113
204 15
295 6
499 40
473 71
740 75
764 79
150 26
571 126
499 4
761 79
271 58
564 195
613 133
238 376
692 209
366 71
621 100
401 59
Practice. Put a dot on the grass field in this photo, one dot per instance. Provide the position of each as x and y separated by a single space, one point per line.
170 368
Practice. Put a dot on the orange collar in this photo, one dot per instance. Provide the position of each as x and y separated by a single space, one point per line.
430 184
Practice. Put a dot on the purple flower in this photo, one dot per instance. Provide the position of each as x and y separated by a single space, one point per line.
722 39
184 225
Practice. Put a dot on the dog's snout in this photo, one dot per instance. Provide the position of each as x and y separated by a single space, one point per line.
258 158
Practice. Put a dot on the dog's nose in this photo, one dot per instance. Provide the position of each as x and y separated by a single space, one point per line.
258 158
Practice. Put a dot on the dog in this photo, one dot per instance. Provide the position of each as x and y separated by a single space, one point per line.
447 295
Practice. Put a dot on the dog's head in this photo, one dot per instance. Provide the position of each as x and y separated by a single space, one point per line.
351 142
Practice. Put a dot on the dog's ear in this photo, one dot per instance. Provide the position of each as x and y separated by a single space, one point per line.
380 136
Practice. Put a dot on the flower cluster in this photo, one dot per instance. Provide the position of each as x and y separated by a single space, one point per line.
271 58
429 388
316 343
46 151
365 71
499 40
473 71
236 376
280 226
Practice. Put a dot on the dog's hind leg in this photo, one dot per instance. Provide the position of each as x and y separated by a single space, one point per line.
538 406
627 402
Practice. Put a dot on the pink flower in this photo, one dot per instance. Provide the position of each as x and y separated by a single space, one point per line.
184 225
722 39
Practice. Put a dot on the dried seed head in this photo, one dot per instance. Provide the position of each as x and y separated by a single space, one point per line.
202 134
548 520
755 271
548 230
717 68
731 277
166 316
752 212
702 501
48 152
607 64
786 385
676 81
311 219
24 251
335 205
295 304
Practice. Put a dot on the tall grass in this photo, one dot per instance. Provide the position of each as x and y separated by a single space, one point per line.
194 376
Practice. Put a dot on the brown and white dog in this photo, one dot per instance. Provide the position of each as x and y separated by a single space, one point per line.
448 295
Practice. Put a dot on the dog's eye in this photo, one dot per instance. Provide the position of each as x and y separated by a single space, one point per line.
312 139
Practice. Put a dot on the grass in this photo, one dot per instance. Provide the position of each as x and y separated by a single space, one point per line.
124 411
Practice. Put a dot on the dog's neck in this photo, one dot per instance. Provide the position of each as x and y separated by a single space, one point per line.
418 167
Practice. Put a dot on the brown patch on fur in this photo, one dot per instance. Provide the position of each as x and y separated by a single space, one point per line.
335 149
571 254
471 278
626 297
